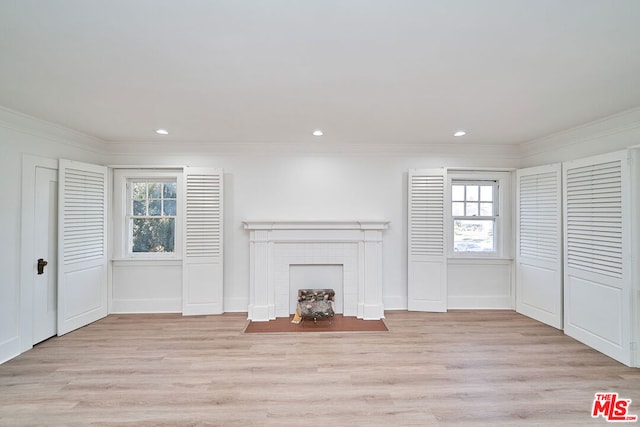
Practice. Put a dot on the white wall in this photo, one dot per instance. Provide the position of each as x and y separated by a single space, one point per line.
21 135
480 283
308 186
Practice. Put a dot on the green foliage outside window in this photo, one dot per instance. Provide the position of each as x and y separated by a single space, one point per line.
153 216
153 234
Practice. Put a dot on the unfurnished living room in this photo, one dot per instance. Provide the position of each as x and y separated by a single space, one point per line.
352 213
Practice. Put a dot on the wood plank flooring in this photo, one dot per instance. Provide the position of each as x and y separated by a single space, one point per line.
457 368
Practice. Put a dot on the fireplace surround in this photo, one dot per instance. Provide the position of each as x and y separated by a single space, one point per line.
277 245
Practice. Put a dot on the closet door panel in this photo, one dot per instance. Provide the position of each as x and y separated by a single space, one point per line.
598 291
539 292
427 260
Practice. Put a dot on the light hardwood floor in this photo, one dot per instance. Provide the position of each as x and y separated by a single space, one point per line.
456 368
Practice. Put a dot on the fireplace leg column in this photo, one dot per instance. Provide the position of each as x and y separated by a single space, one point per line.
371 306
261 304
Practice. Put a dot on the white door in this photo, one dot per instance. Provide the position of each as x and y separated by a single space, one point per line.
597 258
539 244
202 283
427 258
82 245
44 260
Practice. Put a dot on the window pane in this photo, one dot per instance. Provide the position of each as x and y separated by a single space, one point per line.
486 193
457 209
486 209
139 190
169 190
169 207
473 236
457 192
472 193
154 207
153 234
154 190
472 209
139 207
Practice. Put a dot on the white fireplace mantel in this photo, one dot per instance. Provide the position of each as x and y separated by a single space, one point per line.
276 245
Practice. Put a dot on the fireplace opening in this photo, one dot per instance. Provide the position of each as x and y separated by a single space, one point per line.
316 276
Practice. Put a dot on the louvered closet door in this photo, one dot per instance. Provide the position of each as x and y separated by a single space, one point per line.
82 244
597 253
202 284
427 260
539 244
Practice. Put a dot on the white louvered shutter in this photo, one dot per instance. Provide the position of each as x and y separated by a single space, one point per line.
594 218
203 260
427 258
539 244
82 244
597 253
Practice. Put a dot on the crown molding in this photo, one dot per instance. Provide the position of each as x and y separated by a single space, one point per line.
30 125
509 152
623 126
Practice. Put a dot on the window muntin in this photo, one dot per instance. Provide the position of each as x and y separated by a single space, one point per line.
151 215
474 208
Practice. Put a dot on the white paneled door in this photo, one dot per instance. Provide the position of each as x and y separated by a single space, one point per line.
202 284
427 258
539 244
82 244
597 256
44 258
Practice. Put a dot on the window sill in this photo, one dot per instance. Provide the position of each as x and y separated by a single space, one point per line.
479 260
123 262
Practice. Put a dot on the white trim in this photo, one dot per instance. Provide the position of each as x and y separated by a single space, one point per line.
466 169
625 122
30 125
317 225
156 305
124 262
146 167
486 152
9 349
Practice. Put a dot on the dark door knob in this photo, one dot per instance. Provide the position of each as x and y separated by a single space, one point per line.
41 264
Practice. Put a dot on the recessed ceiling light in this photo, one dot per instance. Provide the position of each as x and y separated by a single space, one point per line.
317 132
162 131
460 133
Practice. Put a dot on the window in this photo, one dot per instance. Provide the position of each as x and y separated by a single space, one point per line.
148 214
474 208
151 215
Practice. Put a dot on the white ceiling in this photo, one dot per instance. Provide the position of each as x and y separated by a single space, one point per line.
372 71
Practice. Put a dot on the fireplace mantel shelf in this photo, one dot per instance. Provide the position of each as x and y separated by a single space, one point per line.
275 245
316 225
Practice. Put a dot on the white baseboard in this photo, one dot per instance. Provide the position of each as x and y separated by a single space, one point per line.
9 349
395 302
236 305
172 305
480 303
